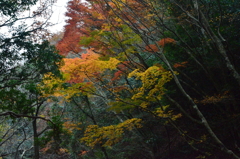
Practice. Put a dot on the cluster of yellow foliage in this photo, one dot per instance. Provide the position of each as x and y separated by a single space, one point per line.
77 72
109 134
82 73
164 113
55 86
213 99
80 69
69 126
153 80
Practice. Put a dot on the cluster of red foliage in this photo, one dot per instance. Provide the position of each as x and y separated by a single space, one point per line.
117 75
154 48
181 64
165 41
83 20
78 24
121 69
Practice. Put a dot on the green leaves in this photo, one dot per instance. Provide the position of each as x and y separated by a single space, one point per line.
85 41
16 101
12 7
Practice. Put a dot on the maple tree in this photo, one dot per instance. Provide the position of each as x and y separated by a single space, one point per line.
152 61
123 40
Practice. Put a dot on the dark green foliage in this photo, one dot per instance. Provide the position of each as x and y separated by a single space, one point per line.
23 63
20 80
12 7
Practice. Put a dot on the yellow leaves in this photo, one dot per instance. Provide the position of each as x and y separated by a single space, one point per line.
117 5
203 138
109 135
153 80
81 69
213 99
117 19
63 150
105 27
50 86
57 87
69 126
144 105
78 75
163 113
175 117
110 64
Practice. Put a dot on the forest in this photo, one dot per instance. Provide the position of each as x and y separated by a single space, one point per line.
125 79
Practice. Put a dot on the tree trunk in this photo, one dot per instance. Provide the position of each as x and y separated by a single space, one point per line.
35 135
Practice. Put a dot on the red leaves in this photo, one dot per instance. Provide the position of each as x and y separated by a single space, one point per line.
122 68
117 75
181 64
165 41
81 20
151 48
154 48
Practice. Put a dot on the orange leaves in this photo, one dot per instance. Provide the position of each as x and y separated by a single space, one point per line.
165 41
154 48
117 75
119 88
79 75
151 48
70 68
181 64
88 68
77 70
90 55
82 153
214 99
122 68
69 126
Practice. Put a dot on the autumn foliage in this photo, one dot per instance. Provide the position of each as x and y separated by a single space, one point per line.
143 74
159 44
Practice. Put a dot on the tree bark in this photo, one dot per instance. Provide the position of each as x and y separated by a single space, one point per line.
35 135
